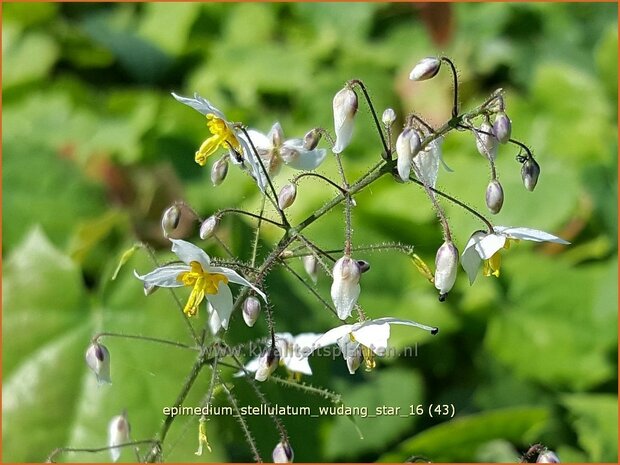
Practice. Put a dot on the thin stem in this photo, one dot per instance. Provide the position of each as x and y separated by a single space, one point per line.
310 288
360 84
253 215
97 336
455 106
413 116
320 176
224 246
60 450
371 248
257 233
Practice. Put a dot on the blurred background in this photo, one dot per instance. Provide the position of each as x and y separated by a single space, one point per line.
94 148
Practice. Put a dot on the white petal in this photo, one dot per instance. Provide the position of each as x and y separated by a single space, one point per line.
487 245
188 252
345 288
215 324
351 352
426 164
344 133
260 140
236 278
373 335
276 134
222 303
298 365
529 234
200 104
251 367
471 261
306 160
403 164
331 336
166 276
255 169
398 321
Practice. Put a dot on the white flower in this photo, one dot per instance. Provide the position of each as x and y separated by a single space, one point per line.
446 264
293 350
267 363
365 339
283 453
205 280
274 150
426 163
407 147
345 286
485 247
345 108
118 433
98 360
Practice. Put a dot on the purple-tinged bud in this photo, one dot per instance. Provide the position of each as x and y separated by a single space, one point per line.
219 170
446 266
267 363
283 453
548 456
364 266
426 68
494 196
118 433
251 310
388 117
486 142
345 286
311 139
530 170
502 127
345 108
98 360
311 266
170 219
407 146
208 227
287 196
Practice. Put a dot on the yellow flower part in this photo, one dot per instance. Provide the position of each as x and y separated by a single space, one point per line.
222 137
202 282
202 437
491 266
369 358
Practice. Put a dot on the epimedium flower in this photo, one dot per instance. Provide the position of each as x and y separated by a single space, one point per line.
98 360
364 340
345 288
484 248
205 280
345 107
275 151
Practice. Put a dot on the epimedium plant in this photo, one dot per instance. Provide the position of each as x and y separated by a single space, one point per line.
411 156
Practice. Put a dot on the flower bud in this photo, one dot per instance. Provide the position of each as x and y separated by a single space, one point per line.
277 134
446 266
311 139
219 170
208 227
149 288
388 117
502 127
287 196
311 265
345 287
530 170
118 433
345 108
98 360
170 219
267 363
494 196
486 142
548 456
426 68
364 266
283 453
407 146
354 360
251 310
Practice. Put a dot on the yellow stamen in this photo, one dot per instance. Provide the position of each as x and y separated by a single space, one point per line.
369 358
222 137
491 266
202 436
202 282
422 267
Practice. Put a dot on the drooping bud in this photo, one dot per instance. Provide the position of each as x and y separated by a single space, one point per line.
345 108
311 265
548 456
267 363
283 453
219 170
407 146
486 142
364 266
251 310
345 287
530 170
494 196
170 219
287 196
502 127
446 266
388 117
354 360
98 360
118 433
209 226
426 68
277 134
149 288
311 139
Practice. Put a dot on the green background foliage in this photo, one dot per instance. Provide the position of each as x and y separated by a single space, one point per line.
94 148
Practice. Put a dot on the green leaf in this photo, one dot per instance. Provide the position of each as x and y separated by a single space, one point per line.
595 418
17 57
457 440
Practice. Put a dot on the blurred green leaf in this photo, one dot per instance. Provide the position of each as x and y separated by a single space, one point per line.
18 51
